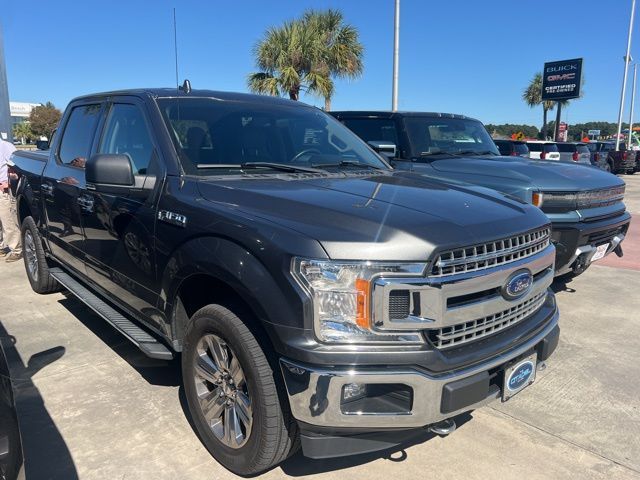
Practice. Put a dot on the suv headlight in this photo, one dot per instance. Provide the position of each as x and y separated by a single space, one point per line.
341 294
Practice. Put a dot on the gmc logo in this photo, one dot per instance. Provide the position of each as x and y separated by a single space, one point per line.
564 76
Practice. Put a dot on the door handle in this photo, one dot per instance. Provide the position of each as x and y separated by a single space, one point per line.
86 203
47 189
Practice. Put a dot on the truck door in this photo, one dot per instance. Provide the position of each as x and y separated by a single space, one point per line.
119 230
63 184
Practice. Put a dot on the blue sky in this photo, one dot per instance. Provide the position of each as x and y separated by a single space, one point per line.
471 57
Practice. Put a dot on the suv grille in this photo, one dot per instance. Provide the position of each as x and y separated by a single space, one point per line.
601 198
487 255
474 330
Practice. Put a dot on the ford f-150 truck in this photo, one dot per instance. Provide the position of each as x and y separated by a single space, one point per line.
316 296
585 205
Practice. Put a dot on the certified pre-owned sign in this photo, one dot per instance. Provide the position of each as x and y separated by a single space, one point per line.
561 80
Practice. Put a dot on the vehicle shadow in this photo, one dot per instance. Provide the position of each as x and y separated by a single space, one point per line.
46 454
560 284
299 465
154 371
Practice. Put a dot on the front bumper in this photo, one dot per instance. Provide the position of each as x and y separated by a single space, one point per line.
315 393
576 240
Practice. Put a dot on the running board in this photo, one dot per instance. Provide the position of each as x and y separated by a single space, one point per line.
141 339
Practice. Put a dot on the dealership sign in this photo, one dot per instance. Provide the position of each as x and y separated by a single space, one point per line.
561 80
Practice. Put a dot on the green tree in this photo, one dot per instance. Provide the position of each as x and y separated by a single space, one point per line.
22 131
304 54
44 119
532 95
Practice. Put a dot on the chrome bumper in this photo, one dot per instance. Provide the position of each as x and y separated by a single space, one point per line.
315 393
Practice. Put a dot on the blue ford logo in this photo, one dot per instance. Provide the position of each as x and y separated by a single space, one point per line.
520 376
517 285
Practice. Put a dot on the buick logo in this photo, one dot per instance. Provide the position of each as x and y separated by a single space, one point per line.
520 376
518 284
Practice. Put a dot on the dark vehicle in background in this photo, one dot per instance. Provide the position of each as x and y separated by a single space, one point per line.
574 152
622 160
512 148
585 205
317 297
541 150
600 154
11 456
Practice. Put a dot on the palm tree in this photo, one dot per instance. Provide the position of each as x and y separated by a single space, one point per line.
338 51
532 95
304 54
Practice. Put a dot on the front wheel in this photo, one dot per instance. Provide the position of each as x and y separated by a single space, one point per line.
231 390
35 261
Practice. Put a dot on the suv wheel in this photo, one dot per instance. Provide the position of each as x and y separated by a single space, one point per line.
607 167
232 393
35 261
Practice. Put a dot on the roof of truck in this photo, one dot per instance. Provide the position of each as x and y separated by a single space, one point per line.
174 92
390 114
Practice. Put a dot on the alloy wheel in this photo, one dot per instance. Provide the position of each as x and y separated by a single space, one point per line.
223 394
31 255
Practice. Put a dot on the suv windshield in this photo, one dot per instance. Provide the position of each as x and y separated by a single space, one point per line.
211 135
521 148
433 135
551 147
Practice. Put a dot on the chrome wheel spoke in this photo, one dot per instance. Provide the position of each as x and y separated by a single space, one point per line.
206 369
243 409
218 352
236 372
212 407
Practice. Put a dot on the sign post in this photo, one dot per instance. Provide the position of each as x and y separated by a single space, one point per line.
561 80
5 118
593 134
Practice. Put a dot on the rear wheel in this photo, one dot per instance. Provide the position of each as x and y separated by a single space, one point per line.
232 393
35 261
607 167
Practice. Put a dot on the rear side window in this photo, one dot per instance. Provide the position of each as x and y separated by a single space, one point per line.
78 135
373 129
127 133
504 147
551 147
607 147
535 147
521 148
564 147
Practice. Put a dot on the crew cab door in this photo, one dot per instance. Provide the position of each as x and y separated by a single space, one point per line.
63 183
120 229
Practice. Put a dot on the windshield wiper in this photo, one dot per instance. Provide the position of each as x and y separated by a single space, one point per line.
283 167
349 163
474 152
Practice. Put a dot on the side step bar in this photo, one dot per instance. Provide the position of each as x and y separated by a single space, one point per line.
141 339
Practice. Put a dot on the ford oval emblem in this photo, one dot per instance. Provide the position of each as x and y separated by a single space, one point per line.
518 284
520 376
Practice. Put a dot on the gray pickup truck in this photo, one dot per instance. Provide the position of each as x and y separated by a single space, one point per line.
315 296
585 205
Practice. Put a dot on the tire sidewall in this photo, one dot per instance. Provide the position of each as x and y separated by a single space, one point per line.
29 225
209 324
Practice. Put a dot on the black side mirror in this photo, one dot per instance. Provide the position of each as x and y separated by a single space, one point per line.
107 170
385 148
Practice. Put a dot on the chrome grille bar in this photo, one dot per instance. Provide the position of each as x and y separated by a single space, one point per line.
491 254
455 335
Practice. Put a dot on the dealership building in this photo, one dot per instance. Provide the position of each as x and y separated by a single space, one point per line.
20 111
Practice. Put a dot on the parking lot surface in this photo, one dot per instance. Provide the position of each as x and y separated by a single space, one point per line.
93 407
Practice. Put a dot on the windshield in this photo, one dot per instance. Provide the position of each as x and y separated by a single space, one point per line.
583 149
521 148
551 148
212 135
433 135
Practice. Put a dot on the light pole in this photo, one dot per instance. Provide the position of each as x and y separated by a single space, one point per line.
633 101
396 53
627 59
5 117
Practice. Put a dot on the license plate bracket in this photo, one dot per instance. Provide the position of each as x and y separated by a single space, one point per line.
519 376
601 251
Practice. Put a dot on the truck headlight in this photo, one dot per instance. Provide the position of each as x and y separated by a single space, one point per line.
341 294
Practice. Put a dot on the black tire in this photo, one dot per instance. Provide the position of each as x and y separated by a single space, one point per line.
273 436
41 280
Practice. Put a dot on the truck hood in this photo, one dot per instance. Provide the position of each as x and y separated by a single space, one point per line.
545 175
386 216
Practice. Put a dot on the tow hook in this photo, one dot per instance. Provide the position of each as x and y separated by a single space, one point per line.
443 428
618 251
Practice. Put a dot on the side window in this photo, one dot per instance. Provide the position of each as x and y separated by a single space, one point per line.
126 133
378 129
78 135
504 147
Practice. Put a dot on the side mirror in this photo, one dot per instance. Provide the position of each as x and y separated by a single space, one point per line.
110 170
385 148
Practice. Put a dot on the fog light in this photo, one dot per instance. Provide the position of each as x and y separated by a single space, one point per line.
352 391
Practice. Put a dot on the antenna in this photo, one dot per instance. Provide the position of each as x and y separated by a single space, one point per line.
175 46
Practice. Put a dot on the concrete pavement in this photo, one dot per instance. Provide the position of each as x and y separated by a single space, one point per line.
93 407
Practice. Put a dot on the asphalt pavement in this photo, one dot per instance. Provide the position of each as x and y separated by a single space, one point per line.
93 407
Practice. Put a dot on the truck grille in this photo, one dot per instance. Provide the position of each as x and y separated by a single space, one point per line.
601 198
487 255
604 236
455 335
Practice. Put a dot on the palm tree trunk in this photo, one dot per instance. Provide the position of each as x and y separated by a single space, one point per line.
294 93
327 104
544 123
